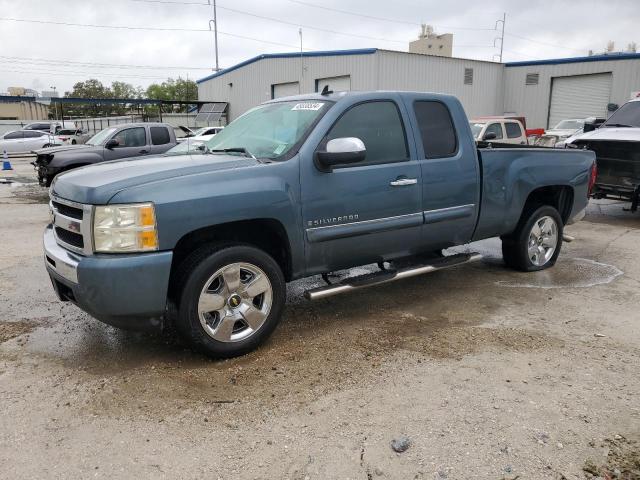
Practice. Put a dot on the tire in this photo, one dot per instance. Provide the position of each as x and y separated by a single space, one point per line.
519 249
238 321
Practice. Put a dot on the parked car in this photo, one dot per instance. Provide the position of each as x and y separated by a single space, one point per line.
24 141
69 136
200 132
122 141
362 177
48 126
500 130
557 136
616 143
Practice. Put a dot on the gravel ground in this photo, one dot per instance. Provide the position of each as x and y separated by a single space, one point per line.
473 372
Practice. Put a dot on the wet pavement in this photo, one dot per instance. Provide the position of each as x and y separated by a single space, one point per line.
489 372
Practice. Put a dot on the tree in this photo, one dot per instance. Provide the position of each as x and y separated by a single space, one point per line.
179 89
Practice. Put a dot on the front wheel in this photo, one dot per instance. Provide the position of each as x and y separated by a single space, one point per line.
231 299
536 242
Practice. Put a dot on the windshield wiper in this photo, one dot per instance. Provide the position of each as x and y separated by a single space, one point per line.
617 125
242 150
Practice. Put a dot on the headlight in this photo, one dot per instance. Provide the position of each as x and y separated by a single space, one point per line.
125 228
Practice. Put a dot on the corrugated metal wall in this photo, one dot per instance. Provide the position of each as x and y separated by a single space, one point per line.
384 70
533 100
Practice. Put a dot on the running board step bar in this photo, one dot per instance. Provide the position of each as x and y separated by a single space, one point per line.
386 276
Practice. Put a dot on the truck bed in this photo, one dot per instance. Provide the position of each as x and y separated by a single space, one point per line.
510 173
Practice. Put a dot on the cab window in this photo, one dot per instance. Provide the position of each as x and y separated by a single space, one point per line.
494 128
379 125
513 130
131 137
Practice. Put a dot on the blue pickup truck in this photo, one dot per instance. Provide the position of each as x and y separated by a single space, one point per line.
296 187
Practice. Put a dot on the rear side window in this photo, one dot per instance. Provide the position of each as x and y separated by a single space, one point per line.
160 136
14 135
513 130
34 134
379 126
494 128
436 129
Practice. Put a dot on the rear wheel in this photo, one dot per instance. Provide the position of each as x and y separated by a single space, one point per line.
231 299
536 242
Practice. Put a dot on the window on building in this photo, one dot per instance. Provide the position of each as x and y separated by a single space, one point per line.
379 126
132 137
532 79
494 128
160 135
468 76
513 129
436 129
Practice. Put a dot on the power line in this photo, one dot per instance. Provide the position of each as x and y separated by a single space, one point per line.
51 61
373 17
126 27
543 43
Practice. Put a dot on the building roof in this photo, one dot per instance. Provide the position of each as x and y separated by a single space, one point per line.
321 53
591 58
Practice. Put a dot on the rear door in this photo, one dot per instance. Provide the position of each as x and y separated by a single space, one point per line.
449 168
160 139
34 140
132 142
368 211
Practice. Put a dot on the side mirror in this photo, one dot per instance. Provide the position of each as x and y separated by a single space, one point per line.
111 144
489 136
589 127
341 151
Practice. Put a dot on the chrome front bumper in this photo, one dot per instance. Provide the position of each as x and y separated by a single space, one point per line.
58 259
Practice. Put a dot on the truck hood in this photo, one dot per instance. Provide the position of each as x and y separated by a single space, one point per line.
624 134
561 133
97 184
67 148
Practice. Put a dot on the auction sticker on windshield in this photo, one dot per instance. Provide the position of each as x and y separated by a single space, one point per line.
308 106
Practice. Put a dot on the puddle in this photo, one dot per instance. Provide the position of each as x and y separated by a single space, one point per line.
570 273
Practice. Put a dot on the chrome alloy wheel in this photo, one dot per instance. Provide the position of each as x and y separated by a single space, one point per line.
235 302
543 241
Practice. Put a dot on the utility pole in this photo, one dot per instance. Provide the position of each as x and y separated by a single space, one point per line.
215 31
301 62
501 38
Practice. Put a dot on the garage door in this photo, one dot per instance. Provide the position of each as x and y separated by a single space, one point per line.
336 84
285 89
579 96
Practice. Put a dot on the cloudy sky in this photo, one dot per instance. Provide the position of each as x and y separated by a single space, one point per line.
45 43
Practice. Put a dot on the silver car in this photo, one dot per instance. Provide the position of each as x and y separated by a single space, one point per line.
24 141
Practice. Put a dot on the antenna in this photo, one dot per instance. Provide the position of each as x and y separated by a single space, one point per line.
501 37
326 91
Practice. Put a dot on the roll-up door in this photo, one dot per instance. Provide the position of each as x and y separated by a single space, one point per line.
579 96
336 84
285 89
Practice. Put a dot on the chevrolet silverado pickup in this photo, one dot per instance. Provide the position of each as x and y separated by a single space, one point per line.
296 187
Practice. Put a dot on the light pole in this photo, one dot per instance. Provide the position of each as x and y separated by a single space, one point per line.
215 31
55 107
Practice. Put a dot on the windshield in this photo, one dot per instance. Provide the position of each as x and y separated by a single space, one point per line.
100 137
270 130
569 125
476 128
628 114
66 132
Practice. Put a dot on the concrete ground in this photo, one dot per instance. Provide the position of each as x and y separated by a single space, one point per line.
489 373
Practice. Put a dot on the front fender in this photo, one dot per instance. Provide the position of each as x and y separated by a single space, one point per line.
193 202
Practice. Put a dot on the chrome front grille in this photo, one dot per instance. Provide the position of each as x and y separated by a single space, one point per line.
72 224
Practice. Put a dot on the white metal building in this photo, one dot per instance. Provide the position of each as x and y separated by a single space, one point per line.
542 91
547 91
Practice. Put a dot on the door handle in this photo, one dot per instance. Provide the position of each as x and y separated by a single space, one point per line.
403 181
143 151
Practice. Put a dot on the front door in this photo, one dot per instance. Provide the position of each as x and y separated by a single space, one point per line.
368 211
132 142
450 171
